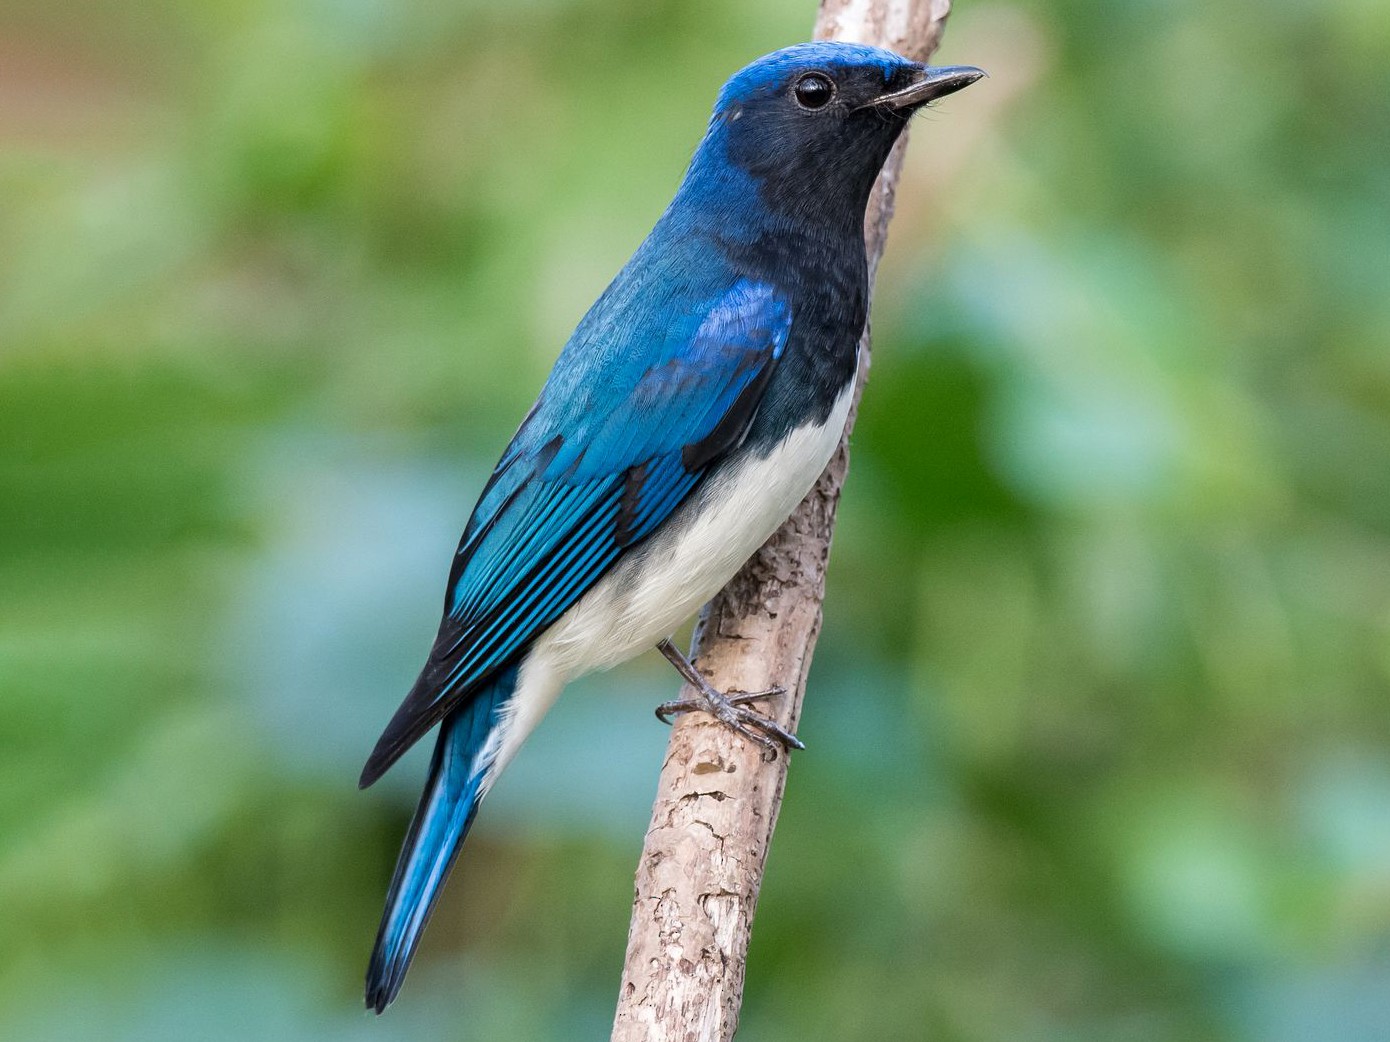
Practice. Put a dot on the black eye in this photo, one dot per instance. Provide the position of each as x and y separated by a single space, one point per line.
813 91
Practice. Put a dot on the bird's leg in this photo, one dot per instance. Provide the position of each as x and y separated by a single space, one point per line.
729 709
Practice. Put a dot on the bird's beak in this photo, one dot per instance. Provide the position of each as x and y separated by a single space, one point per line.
930 85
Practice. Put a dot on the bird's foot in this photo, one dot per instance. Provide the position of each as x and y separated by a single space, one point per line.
730 709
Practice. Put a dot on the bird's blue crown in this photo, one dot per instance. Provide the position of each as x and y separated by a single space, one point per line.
770 72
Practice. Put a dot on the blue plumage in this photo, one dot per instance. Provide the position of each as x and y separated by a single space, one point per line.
693 406
587 475
446 811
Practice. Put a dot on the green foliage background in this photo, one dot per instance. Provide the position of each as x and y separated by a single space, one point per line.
1098 727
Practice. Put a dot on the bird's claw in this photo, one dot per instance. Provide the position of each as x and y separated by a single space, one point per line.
732 711
693 705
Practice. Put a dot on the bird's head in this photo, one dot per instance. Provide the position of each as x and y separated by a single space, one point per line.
816 121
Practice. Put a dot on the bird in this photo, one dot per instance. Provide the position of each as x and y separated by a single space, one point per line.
694 406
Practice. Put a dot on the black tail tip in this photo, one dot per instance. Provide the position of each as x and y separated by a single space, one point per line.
377 1003
382 989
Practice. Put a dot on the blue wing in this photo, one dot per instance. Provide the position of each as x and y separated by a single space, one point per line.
622 433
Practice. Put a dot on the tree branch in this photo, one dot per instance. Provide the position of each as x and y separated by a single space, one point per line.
717 800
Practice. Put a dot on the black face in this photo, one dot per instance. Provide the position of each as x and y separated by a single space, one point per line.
814 134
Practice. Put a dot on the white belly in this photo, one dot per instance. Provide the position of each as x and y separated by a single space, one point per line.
657 587
692 556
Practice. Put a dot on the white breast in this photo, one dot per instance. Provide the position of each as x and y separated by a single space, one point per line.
666 580
695 553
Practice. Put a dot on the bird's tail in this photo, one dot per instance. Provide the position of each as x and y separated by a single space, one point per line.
465 750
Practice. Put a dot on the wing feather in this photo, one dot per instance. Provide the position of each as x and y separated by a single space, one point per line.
575 489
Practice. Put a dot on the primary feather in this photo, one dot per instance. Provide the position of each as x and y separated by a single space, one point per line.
573 491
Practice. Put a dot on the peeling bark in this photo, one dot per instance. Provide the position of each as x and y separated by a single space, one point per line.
717 801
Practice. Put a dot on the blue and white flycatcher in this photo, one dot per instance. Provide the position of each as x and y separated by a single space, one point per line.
690 412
